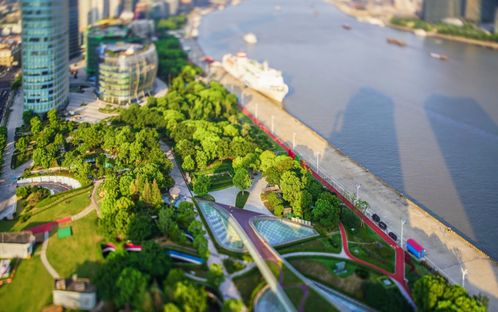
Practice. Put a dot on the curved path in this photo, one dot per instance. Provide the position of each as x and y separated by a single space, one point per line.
48 226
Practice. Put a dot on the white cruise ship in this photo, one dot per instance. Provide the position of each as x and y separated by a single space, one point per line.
255 75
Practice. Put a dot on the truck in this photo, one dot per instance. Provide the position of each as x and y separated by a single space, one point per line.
415 248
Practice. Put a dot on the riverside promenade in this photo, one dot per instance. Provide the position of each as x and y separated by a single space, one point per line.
447 251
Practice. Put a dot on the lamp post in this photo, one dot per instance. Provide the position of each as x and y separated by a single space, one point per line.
317 162
256 113
464 273
403 222
272 124
293 140
358 191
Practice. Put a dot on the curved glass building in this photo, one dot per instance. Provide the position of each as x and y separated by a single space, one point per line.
45 54
126 72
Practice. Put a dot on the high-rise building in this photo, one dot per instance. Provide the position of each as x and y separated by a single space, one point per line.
480 11
496 20
74 34
45 54
436 10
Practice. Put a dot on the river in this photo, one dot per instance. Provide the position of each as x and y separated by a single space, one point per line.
429 128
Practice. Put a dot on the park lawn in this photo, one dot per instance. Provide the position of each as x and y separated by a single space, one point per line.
365 244
31 288
80 253
249 284
241 199
65 206
330 243
351 282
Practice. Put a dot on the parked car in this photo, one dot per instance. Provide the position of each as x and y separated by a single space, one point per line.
393 236
375 217
382 225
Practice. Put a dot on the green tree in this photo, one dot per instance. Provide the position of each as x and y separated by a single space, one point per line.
201 185
36 125
131 286
433 293
167 224
171 307
242 179
201 244
140 228
188 163
326 214
291 187
189 297
185 214
215 275
196 228
233 305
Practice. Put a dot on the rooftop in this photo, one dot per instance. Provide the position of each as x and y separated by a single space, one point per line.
74 284
16 237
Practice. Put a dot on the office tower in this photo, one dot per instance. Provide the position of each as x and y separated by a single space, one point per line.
90 11
496 20
436 10
74 34
480 11
45 54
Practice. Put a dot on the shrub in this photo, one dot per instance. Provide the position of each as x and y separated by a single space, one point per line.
361 273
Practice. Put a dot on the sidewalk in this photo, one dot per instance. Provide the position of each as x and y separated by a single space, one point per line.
8 200
447 250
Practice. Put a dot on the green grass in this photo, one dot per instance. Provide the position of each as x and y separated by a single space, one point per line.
50 209
414 270
31 288
249 284
331 243
365 244
241 199
349 282
80 253
220 174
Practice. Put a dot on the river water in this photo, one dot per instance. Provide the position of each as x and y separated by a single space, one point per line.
427 127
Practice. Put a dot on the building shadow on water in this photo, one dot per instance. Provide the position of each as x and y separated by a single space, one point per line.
468 141
366 132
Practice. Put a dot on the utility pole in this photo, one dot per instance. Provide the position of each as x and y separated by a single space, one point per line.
317 162
403 222
464 273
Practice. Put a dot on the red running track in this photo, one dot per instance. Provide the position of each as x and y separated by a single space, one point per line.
399 273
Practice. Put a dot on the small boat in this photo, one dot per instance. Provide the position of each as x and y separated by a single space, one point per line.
397 42
438 56
346 26
250 38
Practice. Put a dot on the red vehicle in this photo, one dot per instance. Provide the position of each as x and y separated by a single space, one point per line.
207 59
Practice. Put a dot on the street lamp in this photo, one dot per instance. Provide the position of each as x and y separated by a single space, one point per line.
358 191
256 114
317 162
403 222
464 273
272 124
293 140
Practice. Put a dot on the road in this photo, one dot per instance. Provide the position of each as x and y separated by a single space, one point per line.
447 251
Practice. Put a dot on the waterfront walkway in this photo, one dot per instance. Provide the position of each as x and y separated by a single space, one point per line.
447 251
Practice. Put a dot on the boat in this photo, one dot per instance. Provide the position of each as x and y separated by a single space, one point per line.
250 38
255 75
397 42
438 56
420 32
346 26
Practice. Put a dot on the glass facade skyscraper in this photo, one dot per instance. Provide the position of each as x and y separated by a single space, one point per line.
45 54
74 32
